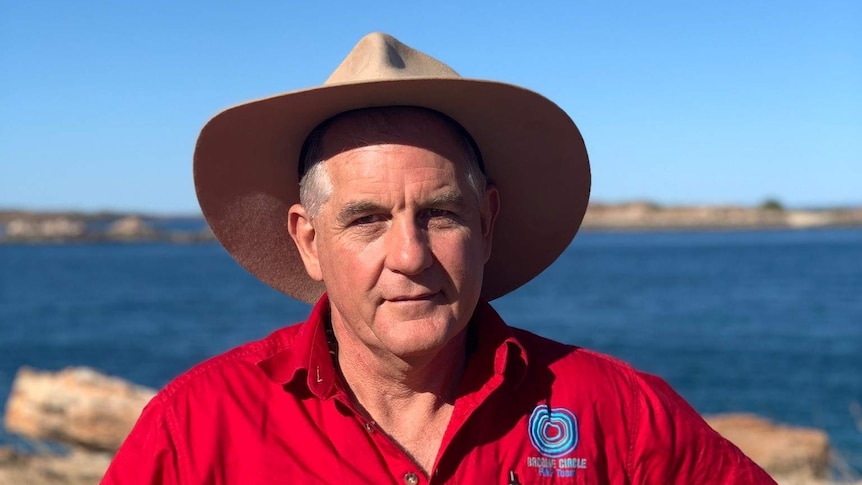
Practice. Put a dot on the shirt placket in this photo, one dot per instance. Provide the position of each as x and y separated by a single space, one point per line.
402 468
489 381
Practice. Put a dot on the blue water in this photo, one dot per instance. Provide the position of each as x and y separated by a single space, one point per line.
767 322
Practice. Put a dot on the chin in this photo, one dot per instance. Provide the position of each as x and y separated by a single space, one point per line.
421 338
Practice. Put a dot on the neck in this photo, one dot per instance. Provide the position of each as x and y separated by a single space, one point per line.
411 398
382 383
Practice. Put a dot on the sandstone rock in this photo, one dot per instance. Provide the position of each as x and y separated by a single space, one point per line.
56 228
806 219
131 227
7 455
76 405
78 467
790 454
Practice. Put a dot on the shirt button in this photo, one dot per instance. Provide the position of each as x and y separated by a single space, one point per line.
411 478
369 427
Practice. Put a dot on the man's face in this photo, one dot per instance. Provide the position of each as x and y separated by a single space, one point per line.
402 240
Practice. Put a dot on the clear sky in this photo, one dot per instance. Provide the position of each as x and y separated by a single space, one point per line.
679 102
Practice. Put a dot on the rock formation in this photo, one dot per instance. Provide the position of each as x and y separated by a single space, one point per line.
130 228
89 412
18 227
783 451
78 467
55 229
76 405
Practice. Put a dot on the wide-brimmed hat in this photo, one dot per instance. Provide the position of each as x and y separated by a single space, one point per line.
246 159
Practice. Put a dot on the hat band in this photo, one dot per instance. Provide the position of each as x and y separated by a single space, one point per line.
321 129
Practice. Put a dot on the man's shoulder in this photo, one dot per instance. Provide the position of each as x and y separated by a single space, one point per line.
588 371
558 356
239 363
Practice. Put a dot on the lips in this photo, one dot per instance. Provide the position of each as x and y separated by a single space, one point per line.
417 297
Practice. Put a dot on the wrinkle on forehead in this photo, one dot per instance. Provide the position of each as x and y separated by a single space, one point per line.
390 172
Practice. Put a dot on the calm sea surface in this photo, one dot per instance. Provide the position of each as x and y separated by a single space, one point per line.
768 322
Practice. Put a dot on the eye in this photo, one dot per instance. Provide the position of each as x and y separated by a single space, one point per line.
439 213
365 220
438 217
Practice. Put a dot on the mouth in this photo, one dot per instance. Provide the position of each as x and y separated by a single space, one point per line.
416 297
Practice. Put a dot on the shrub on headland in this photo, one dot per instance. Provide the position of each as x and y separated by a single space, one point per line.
772 205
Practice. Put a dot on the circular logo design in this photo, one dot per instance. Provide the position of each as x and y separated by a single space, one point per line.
553 432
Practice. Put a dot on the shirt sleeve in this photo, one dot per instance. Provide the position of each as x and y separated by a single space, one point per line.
672 444
149 454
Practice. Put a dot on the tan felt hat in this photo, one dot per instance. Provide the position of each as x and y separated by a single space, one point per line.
246 175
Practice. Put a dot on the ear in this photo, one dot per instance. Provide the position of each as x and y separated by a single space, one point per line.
489 211
305 237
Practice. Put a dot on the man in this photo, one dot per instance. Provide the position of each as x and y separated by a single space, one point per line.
410 196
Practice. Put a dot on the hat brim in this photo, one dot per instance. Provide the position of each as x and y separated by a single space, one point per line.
245 172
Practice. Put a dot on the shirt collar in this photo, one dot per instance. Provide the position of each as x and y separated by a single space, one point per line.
496 351
306 358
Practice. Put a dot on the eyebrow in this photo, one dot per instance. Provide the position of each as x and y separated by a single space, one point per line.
352 210
451 199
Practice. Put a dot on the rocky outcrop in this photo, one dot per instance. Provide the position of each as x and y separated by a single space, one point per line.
89 412
55 229
76 405
78 467
800 455
18 227
130 227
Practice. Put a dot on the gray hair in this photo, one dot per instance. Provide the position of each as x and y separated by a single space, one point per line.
315 186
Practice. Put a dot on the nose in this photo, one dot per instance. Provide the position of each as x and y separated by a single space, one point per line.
408 249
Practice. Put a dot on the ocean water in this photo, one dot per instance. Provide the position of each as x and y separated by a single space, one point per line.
768 322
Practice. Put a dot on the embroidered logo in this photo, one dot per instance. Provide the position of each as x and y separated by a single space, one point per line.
553 432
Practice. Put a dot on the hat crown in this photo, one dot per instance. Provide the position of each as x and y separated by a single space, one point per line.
381 57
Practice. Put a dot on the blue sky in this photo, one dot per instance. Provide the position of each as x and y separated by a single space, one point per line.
679 102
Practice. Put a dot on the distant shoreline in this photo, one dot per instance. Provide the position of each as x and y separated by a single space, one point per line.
646 216
32 227
22 226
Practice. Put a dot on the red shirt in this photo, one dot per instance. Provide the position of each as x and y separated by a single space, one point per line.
528 411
